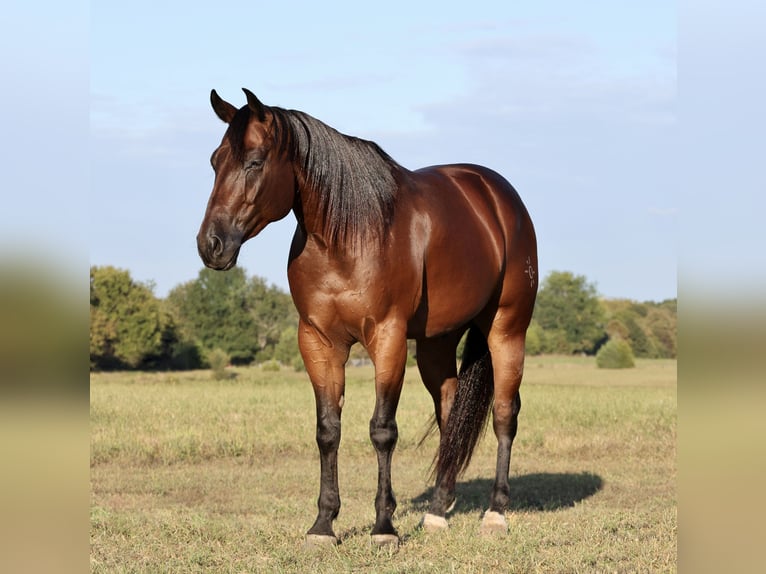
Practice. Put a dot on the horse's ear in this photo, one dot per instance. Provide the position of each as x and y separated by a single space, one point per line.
222 108
255 105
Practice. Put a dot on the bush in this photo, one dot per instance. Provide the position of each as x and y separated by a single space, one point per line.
218 360
534 343
271 366
185 355
616 354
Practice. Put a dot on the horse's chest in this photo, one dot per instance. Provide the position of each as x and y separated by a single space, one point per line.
349 288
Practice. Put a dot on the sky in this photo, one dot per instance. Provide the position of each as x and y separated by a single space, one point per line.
631 130
575 105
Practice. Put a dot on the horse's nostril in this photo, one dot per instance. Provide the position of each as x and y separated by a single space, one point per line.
216 245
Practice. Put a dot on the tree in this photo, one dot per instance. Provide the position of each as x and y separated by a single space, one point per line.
226 310
213 310
569 312
535 335
274 315
286 350
662 325
649 328
218 361
127 325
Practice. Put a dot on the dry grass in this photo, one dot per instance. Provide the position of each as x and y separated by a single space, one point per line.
194 475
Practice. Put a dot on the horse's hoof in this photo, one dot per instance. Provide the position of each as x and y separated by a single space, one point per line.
493 523
320 540
390 541
434 523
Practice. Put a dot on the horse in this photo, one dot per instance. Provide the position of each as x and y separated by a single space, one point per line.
382 254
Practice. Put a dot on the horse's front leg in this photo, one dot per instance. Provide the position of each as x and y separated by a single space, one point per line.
325 364
388 350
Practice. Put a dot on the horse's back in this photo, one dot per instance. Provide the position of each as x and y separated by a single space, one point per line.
476 178
486 197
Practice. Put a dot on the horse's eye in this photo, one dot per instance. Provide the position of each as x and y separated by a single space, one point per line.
254 164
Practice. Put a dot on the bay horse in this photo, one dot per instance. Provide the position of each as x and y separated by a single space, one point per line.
382 254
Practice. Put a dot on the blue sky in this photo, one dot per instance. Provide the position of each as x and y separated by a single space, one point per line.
634 134
576 106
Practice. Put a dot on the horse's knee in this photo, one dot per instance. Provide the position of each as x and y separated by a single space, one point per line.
383 434
328 433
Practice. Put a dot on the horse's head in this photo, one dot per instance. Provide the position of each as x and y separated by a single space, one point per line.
254 182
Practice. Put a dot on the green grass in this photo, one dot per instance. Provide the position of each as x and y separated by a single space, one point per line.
189 474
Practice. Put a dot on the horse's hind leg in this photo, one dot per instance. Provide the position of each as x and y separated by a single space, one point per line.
507 351
438 369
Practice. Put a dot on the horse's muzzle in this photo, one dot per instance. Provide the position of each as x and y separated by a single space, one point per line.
216 251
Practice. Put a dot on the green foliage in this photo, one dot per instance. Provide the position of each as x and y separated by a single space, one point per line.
271 366
616 354
226 310
412 351
286 349
297 364
535 336
570 318
662 326
273 313
218 360
184 355
569 311
128 328
250 321
556 342
287 352
650 328
213 310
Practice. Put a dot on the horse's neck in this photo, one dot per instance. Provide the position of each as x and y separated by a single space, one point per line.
307 210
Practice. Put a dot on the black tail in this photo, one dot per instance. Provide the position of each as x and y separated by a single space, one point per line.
470 410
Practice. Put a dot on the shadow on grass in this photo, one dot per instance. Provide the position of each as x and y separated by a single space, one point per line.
531 492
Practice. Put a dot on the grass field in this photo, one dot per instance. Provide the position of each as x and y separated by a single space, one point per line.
189 474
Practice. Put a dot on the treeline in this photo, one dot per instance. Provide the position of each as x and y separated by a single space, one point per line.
570 318
130 328
250 321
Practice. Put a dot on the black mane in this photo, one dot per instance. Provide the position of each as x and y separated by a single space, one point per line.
352 180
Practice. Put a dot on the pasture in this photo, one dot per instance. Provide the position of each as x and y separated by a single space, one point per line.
189 474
